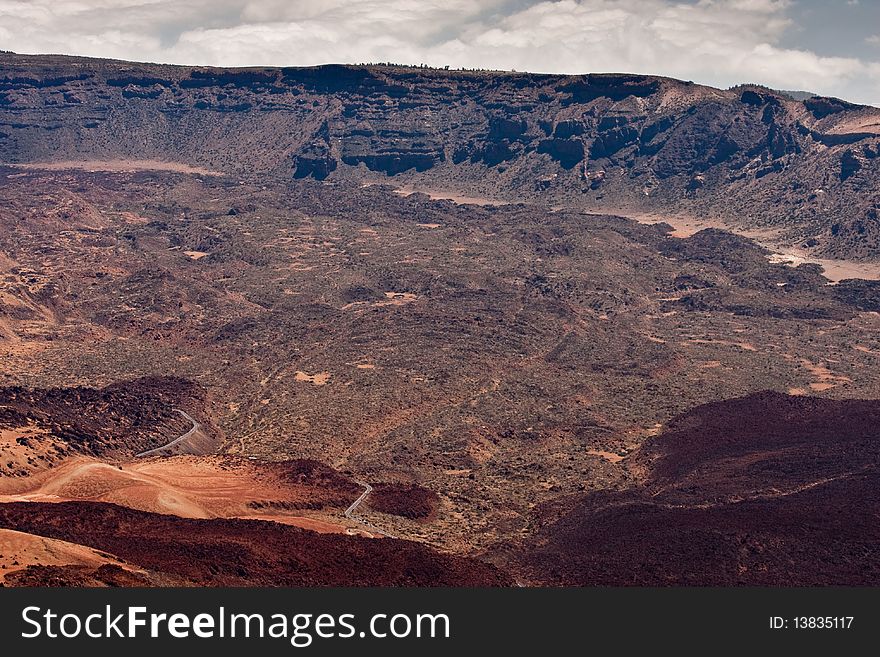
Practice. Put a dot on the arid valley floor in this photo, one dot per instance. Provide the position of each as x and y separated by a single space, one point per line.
553 351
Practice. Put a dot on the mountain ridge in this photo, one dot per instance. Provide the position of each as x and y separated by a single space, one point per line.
806 169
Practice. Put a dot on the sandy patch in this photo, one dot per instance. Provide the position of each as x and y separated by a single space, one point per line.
834 270
455 197
682 225
745 346
608 456
656 430
117 166
6 262
686 226
319 379
185 486
863 122
196 255
19 550
320 526
7 332
825 378
11 435
27 449
398 298
132 218
391 299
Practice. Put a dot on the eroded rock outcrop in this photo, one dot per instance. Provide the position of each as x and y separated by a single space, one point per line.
745 152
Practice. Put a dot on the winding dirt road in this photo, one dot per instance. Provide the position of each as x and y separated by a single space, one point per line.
195 427
349 512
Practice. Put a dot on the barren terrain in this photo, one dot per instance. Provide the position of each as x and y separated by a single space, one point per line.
545 335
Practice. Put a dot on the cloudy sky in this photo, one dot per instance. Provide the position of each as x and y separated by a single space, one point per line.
827 46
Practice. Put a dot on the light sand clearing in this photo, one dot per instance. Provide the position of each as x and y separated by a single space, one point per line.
745 346
196 255
682 225
834 270
825 378
9 437
867 121
391 299
397 298
19 550
134 218
455 197
685 226
319 379
117 166
184 486
6 262
31 453
320 526
608 456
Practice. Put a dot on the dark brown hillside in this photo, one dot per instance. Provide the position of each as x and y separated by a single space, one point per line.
246 552
762 444
407 500
768 490
42 426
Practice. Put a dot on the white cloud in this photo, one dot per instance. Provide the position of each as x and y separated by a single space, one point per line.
719 42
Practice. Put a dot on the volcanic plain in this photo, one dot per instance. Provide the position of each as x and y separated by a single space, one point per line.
557 344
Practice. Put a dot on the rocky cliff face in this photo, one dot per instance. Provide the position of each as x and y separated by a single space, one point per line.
748 155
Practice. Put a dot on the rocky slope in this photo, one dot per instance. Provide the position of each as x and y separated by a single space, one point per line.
41 427
767 490
220 552
748 155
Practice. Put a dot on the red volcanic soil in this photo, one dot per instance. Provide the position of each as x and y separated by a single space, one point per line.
225 552
198 487
405 500
84 576
768 490
324 485
122 418
764 443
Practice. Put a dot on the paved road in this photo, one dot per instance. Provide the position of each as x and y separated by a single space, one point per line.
195 427
349 512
